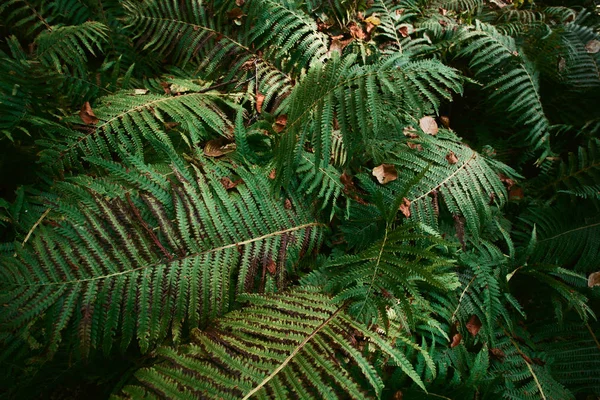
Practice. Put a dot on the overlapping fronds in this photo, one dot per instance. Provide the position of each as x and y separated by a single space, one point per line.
390 273
171 253
297 343
359 99
130 117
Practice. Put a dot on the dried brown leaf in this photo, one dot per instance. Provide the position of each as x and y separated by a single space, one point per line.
260 98
87 114
385 173
338 43
474 325
428 125
229 184
445 121
456 340
593 46
356 31
218 147
271 266
451 157
288 204
272 174
235 13
403 30
594 279
410 132
405 207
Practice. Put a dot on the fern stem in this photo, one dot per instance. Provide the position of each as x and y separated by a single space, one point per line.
570 231
216 249
461 297
593 336
293 353
37 223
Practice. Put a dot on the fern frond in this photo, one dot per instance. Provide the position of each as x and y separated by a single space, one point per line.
153 262
297 342
127 118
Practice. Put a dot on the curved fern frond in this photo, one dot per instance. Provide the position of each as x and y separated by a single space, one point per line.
154 261
359 99
297 342
510 80
127 118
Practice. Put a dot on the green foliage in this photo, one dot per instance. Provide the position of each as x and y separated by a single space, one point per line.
299 199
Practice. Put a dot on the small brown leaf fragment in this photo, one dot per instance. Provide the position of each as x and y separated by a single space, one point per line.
288 204
498 354
398 395
527 359
410 132
474 325
459 226
229 184
280 123
593 46
456 340
539 361
166 87
405 207
218 147
260 98
385 173
139 92
443 22
170 125
507 181
271 266
594 279
413 146
235 13
403 30
428 125
562 64
239 3
87 115
356 31
338 43
443 11
451 158
445 121
272 174
516 193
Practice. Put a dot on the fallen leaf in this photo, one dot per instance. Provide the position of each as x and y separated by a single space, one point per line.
445 121
218 147
515 193
229 184
87 115
271 266
456 340
139 92
593 46
428 125
474 325
404 31
166 87
405 207
594 279
413 146
356 31
443 23
507 181
338 43
451 158
260 98
398 395
239 3
272 174
288 204
399 11
235 13
443 11
562 64
280 123
497 353
385 173
410 132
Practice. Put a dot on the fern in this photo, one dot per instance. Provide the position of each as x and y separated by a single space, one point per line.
297 341
165 252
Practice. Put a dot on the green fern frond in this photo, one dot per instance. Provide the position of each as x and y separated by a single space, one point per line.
510 80
153 262
359 99
297 342
127 118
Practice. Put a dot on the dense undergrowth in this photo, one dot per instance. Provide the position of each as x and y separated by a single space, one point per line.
299 199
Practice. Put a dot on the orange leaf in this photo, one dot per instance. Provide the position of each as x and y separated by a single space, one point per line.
280 123
260 98
229 184
445 121
403 31
87 115
271 267
272 174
